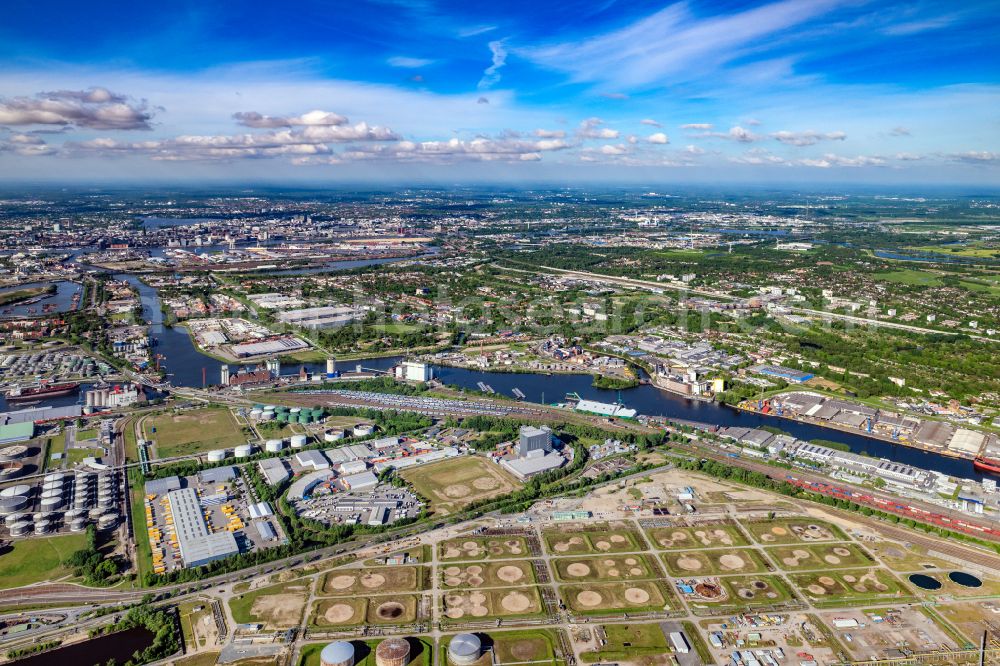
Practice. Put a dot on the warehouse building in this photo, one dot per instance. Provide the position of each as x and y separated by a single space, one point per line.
197 545
319 318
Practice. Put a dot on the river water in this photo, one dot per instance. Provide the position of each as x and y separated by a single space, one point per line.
96 651
62 299
186 366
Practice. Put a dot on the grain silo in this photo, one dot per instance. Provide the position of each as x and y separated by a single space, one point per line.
392 652
338 653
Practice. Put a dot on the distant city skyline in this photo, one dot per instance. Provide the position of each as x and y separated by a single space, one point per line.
810 91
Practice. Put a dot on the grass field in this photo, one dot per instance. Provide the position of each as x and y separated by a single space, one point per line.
490 574
352 611
344 582
527 646
483 548
793 530
706 536
805 558
76 455
193 623
452 484
592 539
911 277
603 568
35 560
626 642
421 652
276 607
195 431
604 598
713 562
500 603
825 588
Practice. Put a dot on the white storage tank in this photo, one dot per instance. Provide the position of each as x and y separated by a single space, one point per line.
19 489
217 455
274 445
13 452
255 414
55 476
107 521
51 503
13 504
12 518
20 529
243 451
267 415
338 653
464 649
42 527
333 436
298 441
295 410
364 430
78 525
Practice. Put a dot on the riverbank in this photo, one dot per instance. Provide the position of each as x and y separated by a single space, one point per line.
10 297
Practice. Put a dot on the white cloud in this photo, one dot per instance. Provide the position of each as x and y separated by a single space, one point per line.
830 160
310 119
550 134
900 131
807 137
697 126
407 62
95 108
491 75
674 45
650 122
591 129
975 156
658 138
737 133
609 149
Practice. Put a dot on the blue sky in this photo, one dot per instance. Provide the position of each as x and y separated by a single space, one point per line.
782 91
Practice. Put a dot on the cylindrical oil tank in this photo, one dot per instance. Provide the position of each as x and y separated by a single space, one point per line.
42 527
52 503
10 469
12 518
333 436
339 653
392 652
267 416
282 417
273 445
295 410
243 450
298 441
217 455
19 489
78 525
270 408
73 514
83 502
255 414
13 504
105 502
20 529
94 514
107 521
13 452
464 649
55 476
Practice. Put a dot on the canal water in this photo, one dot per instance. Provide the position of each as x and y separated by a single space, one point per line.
96 651
62 299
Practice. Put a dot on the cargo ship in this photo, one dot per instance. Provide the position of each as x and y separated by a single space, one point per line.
18 393
988 465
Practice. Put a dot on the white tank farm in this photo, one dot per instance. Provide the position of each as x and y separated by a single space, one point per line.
13 504
274 445
333 436
298 441
43 527
20 529
243 451
217 455
339 653
107 521
464 649
19 489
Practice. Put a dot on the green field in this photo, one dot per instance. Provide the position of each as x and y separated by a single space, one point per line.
793 530
592 539
346 582
276 607
38 559
626 642
704 536
352 611
742 592
421 652
830 588
452 484
605 598
194 431
76 455
483 548
911 277
603 568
